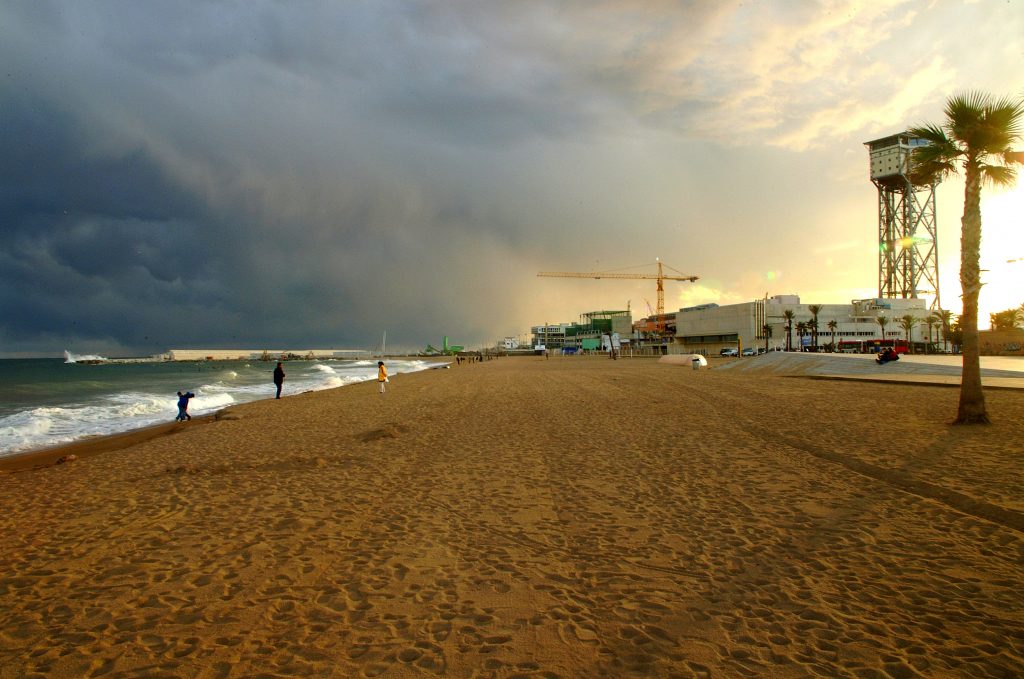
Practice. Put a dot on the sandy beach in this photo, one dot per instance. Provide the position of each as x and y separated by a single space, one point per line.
572 517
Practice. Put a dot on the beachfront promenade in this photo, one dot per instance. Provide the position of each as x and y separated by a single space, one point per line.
572 517
997 372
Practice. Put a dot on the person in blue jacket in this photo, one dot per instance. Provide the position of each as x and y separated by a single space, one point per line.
183 406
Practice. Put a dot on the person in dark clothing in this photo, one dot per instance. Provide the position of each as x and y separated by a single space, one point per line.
183 406
887 355
279 378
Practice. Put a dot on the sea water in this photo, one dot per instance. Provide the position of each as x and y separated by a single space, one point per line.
47 402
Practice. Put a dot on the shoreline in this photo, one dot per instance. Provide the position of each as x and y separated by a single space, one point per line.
90 446
47 456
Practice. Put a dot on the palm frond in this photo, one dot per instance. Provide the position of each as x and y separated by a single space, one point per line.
964 112
1008 114
933 134
929 166
998 175
992 128
935 160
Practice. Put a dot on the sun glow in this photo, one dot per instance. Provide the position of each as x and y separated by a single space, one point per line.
1002 250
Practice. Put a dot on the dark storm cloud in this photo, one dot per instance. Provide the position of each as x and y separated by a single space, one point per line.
318 172
88 240
150 203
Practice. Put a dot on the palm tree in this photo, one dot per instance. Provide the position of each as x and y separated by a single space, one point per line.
908 322
978 135
766 330
934 321
832 325
882 322
1003 320
947 324
788 314
801 329
956 335
812 325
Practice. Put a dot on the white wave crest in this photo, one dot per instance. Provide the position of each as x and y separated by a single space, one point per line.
75 358
133 408
204 403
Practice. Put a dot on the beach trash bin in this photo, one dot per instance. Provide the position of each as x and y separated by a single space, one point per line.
696 363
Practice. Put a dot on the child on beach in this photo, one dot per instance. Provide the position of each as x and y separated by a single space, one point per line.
183 406
382 375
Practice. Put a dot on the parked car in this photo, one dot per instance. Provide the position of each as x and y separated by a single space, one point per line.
729 352
750 351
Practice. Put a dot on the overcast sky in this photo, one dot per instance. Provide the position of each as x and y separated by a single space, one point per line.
312 174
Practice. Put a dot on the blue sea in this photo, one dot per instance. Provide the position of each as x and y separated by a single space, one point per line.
47 402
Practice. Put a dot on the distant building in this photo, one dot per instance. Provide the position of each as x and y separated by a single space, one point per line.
262 354
510 343
1001 342
549 336
707 329
583 335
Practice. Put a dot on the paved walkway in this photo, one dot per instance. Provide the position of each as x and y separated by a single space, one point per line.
997 372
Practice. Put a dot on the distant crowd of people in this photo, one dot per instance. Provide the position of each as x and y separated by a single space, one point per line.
470 358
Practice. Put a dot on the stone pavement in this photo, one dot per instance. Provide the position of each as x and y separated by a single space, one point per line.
997 372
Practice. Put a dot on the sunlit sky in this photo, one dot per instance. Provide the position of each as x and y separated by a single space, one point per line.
314 174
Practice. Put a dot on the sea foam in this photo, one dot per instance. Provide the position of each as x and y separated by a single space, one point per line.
127 407
75 358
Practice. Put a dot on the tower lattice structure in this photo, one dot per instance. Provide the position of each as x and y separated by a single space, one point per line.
908 245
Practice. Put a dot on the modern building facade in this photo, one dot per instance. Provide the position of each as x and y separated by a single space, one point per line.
707 329
583 335
758 324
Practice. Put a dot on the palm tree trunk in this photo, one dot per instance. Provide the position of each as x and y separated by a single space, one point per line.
972 398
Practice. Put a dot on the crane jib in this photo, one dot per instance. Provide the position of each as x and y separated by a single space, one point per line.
660 277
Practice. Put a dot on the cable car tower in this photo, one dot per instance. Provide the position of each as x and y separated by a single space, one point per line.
908 246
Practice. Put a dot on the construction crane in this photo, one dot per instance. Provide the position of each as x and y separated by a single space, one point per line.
660 277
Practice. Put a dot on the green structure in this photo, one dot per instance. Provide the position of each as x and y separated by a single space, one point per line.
587 333
445 350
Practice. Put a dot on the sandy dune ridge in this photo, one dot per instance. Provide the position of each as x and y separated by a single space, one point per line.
573 517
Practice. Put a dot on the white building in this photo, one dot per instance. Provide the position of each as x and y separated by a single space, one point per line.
708 328
549 336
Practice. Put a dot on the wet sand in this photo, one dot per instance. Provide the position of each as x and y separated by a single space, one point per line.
572 517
